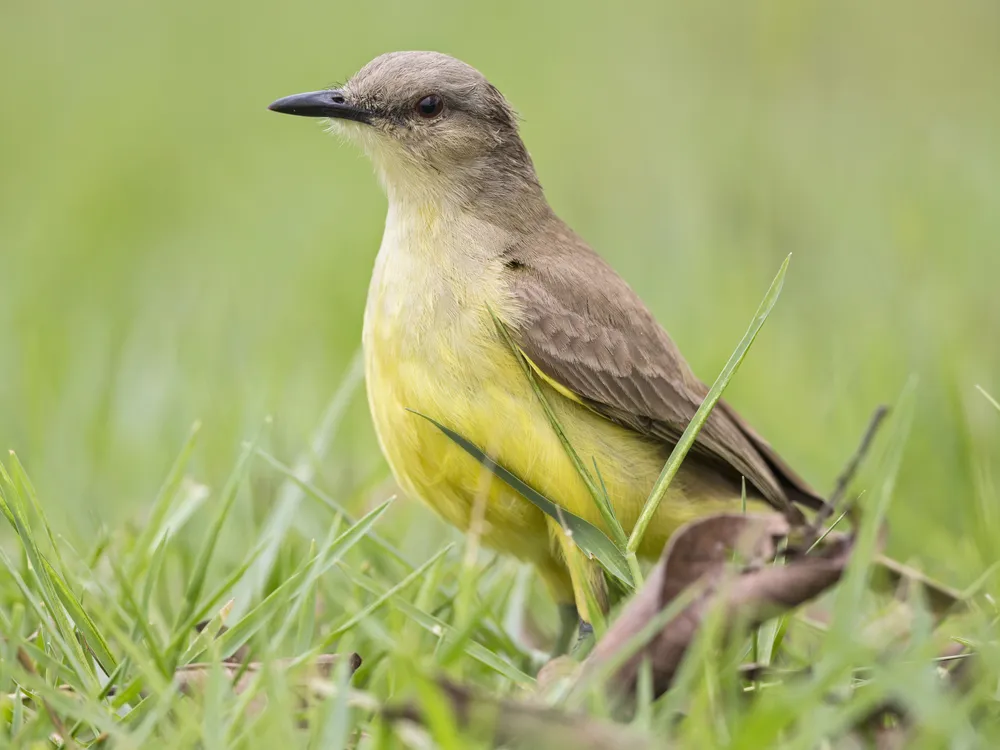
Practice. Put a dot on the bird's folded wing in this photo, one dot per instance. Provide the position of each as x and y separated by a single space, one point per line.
584 327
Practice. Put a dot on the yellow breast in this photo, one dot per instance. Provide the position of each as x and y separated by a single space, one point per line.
430 347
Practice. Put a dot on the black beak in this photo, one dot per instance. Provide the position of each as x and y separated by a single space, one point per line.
320 104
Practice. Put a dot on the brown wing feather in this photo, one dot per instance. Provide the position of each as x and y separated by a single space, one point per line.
583 326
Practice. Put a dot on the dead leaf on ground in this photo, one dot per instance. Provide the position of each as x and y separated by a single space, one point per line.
729 557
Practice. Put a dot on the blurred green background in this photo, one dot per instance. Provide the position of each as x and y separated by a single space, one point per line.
171 251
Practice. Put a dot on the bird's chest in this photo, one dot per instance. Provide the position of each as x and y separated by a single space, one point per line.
427 343
430 342
427 319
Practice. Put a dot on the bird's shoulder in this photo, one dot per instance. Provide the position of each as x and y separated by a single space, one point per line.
576 311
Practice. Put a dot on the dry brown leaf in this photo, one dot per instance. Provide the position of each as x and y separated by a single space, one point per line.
704 552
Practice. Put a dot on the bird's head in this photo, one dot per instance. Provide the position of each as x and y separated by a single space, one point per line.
429 122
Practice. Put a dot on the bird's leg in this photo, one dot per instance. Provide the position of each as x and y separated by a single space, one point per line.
585 633
573 630
569 621
589 588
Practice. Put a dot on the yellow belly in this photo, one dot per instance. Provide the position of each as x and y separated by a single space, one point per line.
478 389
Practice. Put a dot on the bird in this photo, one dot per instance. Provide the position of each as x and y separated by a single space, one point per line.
471 250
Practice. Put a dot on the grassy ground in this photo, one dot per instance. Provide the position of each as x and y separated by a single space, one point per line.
130 642
171 253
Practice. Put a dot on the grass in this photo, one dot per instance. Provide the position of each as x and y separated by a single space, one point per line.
189 257
92 648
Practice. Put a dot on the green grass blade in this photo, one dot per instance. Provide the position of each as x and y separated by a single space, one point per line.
440 628
192 595
297 585
306 580
153 573
453 646
380 600
333 718
305 626
290 494
324 499
687 439
855 582
145 544
98 645
40 607
202 642
47 590
373 538
219 591
153 646
27 490
988 397
588 537
192 497
77 614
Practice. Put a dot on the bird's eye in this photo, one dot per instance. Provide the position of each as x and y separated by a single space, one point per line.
430 106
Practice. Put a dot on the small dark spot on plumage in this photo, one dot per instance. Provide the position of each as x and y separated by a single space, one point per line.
513 264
